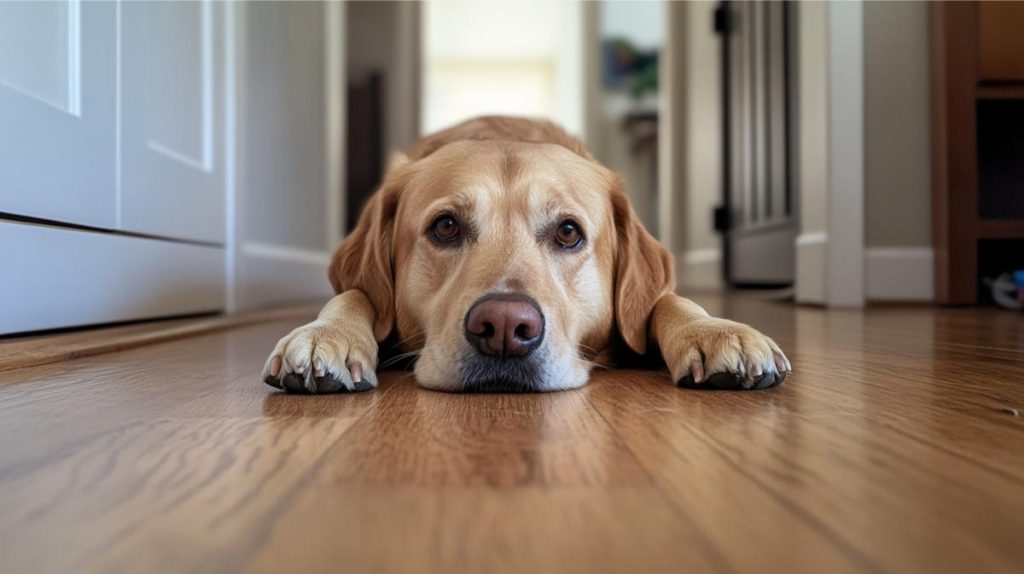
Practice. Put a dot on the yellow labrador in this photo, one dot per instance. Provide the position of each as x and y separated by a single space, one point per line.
504 257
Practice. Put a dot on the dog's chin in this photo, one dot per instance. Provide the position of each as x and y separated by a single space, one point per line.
480 374
472 372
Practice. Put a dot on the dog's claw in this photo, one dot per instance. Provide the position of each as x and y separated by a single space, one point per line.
697 372
275 369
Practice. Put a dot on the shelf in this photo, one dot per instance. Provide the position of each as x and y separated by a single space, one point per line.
1001 229
1000 92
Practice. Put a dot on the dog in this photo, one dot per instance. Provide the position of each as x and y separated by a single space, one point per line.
502 256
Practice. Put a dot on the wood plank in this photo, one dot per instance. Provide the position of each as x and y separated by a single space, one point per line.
21 352
1000 92
953 42
126 459
1000 42
1001 229
431 482
894 446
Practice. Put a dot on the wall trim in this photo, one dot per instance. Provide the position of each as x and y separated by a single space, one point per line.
275 274
116 278
899 274
700 269
285 253
845 281
811 267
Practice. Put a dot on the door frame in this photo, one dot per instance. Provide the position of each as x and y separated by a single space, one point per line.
830 156
257 273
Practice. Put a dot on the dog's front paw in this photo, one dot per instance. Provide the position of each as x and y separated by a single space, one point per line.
322 357
717 353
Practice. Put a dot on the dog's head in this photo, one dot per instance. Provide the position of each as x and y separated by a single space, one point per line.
508 264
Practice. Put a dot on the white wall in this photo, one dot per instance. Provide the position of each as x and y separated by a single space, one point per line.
899 258
830 246
700 261
512 58
896 124
385 37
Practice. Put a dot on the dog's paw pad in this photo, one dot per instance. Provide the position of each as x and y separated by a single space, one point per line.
328 383
733 381
769 380
716 381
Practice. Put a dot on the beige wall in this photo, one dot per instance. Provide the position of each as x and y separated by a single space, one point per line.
704 133
896 120
691 140
385 36
672 140
812 98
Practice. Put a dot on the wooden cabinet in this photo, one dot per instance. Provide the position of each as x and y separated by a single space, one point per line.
977 77
1000 41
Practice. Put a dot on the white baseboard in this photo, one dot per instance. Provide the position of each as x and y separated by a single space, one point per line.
58 277
899 274
811 267
271 274
700 269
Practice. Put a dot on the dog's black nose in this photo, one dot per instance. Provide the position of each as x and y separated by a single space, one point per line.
505 325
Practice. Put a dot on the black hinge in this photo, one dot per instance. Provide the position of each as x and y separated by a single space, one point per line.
721 18
721 220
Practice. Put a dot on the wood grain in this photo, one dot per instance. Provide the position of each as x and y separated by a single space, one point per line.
896 445
17 353
1000 42
953 41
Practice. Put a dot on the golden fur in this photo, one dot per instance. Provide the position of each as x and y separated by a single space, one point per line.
507 180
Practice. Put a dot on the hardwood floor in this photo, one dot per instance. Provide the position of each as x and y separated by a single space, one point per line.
896 445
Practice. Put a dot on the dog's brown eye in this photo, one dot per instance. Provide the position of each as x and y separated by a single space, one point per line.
568 234
445 229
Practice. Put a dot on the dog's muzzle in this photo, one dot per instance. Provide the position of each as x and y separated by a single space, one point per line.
505 329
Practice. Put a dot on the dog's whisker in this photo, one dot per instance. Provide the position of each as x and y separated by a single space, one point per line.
408 338
399 358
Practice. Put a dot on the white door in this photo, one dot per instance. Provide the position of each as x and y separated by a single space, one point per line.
288 194
172 85
111 184
57 111
166 158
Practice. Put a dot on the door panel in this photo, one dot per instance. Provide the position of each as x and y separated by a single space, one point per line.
291 125
760 239
67 278
57 109
279 33
172 78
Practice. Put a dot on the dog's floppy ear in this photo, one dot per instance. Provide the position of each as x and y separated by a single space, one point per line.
364 259
644 272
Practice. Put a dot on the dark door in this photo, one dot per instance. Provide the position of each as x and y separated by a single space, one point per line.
758 218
